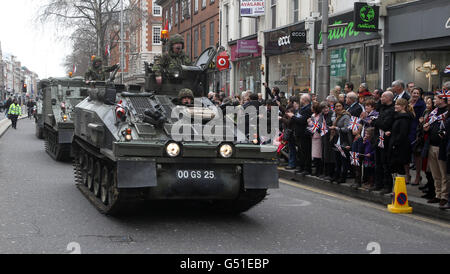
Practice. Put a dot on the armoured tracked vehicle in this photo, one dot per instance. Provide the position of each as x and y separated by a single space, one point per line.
125 150
59 98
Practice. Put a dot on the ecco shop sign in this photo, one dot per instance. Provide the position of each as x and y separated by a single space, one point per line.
295 37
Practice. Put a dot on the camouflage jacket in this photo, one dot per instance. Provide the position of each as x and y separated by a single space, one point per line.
170 63
98 74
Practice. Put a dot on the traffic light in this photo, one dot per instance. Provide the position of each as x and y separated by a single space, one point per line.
24 88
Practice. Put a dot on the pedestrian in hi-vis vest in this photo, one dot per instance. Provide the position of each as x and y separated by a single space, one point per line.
14 112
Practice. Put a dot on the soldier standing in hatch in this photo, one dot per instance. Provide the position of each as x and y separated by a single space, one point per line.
172 60
186 97
97 72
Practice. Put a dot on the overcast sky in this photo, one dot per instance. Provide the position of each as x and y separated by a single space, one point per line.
34 45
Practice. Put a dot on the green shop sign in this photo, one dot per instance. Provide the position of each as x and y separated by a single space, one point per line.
345 34
338 62
366 17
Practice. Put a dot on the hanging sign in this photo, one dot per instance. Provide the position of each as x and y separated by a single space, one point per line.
252 8
366 17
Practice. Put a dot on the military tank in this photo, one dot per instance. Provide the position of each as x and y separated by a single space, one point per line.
59 98
126 151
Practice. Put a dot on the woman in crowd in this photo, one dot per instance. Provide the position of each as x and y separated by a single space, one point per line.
400 151
341 137
421 147
316 148
329 160
419 107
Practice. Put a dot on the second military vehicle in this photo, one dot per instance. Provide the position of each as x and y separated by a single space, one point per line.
59 98
126 150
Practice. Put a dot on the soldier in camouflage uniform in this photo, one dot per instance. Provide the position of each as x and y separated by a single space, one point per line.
186 97
171 61
97 72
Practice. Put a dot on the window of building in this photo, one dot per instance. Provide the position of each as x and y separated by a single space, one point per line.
407 64
183 7
196 6
212 41
373 66
188 9
195 43
227 27
156 9
296 10
356 66
188 44
203 37
203 4
274 13
171 18
176 13
156 35
211 2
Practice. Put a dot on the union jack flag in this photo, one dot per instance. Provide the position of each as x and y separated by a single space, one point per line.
354 159
354 122
314 127
339 148
381 139
443 94
332 107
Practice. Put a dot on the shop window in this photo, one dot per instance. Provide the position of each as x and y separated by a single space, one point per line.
338 67
249 75
290 72
414 66
373 66
356 66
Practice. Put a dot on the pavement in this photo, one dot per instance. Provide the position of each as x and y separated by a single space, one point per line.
419 205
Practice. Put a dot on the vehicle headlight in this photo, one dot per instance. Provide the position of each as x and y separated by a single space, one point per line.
226 151
173 150
176 74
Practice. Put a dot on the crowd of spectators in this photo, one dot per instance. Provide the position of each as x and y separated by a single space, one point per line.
371 136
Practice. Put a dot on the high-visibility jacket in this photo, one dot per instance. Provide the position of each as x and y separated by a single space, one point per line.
15 109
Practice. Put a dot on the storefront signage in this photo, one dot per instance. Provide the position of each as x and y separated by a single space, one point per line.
247 46
298 36
345 34
252 8
338 61
285 40
366 17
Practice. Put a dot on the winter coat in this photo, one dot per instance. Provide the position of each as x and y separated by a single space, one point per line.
327 145
385 121
343 132
399 151
419 109
301 122
355 110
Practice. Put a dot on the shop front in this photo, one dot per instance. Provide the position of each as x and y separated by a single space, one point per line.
418 44
288 60
354 56
246 65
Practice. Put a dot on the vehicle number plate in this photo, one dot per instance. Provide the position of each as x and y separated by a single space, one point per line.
195 175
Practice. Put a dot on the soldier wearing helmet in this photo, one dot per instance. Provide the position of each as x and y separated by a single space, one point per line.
186 97
171 61
97 72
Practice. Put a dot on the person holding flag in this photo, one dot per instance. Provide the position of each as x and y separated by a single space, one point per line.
437 133
315 127
329 158
342 138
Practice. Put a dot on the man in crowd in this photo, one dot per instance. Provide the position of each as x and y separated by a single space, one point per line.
303 138
354 108
349 87
437 165
7 105
398 87
383 177
410 87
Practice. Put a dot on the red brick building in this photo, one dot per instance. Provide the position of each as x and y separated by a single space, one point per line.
198 21
142 41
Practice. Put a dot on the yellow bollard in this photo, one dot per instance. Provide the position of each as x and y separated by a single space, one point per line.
400 201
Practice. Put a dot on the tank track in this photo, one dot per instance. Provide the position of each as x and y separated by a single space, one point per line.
96 178
58 152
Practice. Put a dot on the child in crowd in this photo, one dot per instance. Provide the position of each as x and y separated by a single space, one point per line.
356 155
369 158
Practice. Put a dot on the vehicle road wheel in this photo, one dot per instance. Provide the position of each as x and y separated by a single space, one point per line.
97 178
90 174
104 193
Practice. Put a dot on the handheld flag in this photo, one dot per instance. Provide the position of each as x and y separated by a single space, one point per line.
381 139
354 122
354 158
